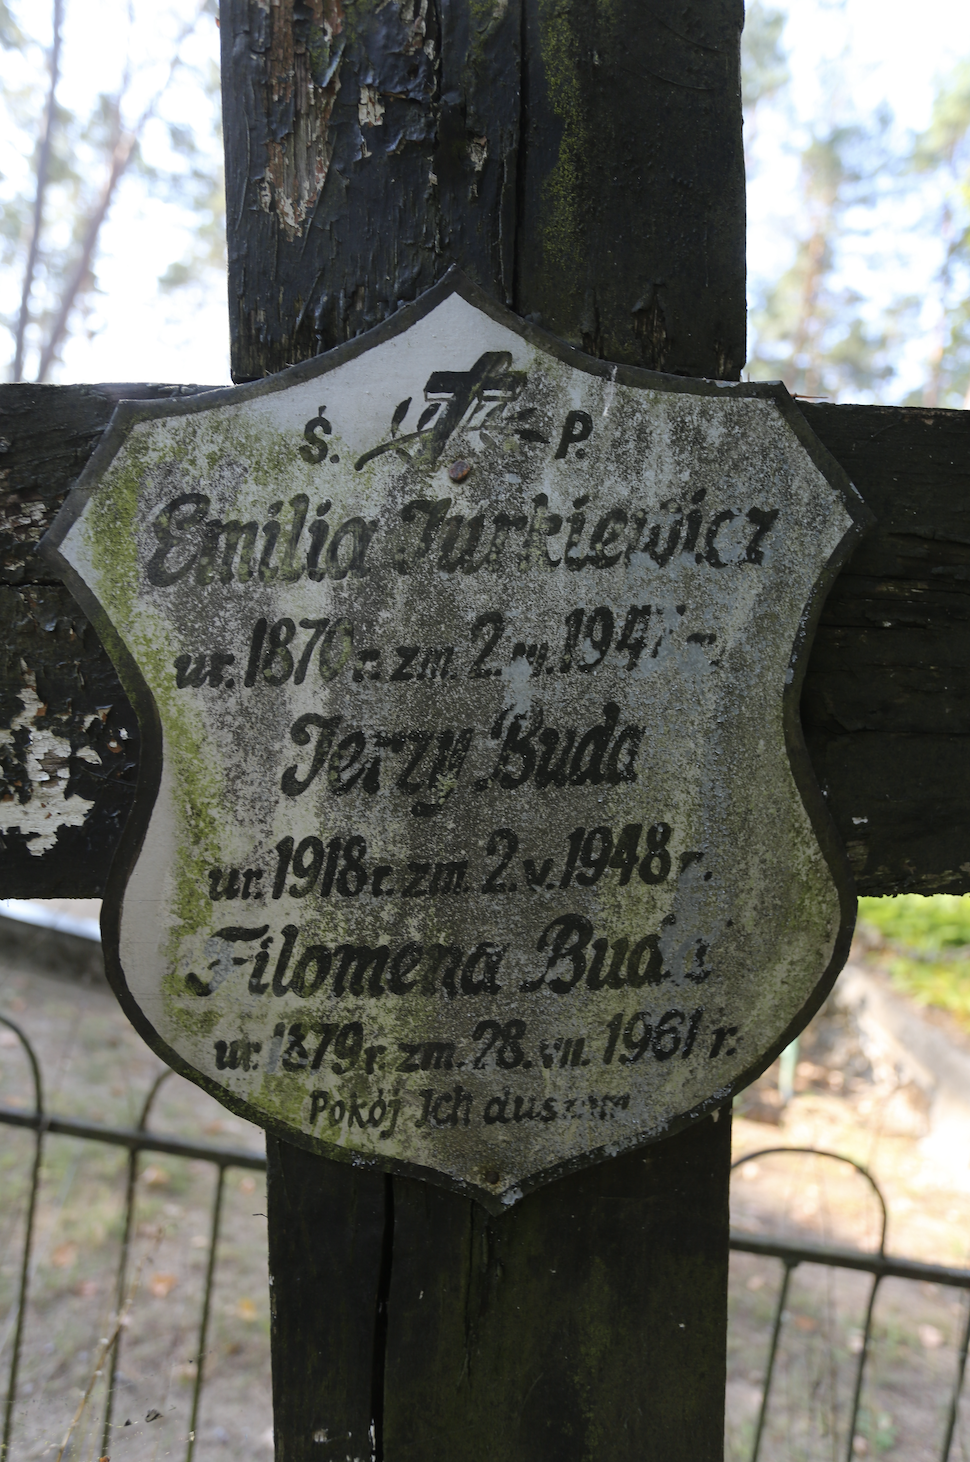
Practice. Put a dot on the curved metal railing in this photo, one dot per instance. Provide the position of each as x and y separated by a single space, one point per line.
141 1139
137 1140
877 1263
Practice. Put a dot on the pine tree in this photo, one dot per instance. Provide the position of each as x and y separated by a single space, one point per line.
810 327
942 154
51 230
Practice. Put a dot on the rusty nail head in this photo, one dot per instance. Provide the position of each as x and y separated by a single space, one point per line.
458 471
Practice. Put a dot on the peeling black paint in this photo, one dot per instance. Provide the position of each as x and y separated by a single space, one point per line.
51 657
567 157
48 641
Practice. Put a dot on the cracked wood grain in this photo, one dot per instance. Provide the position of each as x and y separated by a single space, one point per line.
582 163
589 1315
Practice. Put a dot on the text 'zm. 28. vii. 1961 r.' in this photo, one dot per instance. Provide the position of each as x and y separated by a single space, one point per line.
475 838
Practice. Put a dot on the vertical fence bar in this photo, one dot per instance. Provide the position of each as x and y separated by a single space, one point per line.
24 1286
130 1194
860 1369
206 1306
119 1298
790 1264
223 1159
769 1370
951 1421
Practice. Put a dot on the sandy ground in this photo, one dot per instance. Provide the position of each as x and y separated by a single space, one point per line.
843 1106
97 1067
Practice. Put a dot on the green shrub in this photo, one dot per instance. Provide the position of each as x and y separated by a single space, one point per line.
930 942
926 925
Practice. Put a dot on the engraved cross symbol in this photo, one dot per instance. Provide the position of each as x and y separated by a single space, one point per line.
471 397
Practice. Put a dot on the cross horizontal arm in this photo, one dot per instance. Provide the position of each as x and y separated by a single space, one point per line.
886 709
886 706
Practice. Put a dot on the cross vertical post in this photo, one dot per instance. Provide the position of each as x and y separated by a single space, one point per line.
583 164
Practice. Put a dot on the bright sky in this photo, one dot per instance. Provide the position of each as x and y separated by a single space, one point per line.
893 52
135 332
144 335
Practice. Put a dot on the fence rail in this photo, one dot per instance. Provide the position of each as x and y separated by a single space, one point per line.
134 1139
140 1139
879 1264
137 1140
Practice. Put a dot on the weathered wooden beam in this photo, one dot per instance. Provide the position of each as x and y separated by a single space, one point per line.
329 1244
587 1323
886 702
519 1340
68 735
886 707
582 162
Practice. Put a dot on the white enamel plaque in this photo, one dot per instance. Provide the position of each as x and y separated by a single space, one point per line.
475 837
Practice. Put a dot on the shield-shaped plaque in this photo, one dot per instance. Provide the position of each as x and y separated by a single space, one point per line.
475 836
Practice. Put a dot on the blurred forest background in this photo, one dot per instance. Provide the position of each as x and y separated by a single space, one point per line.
112 210
112 256
873 303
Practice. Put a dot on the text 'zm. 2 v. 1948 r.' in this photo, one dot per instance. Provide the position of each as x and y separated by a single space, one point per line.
475 838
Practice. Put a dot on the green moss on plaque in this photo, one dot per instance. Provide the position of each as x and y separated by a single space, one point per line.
110 525
198 1021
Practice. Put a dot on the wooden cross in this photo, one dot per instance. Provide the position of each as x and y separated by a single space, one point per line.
583 164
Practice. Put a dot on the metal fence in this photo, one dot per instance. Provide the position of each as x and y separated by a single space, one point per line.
879 1265
140 1139
137 1140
